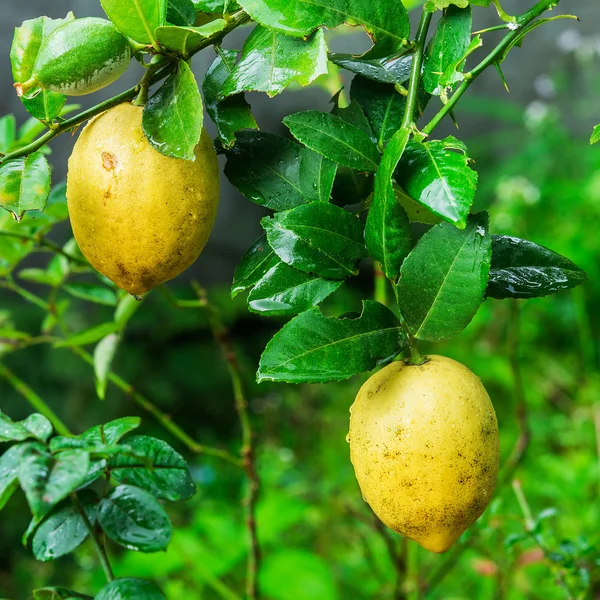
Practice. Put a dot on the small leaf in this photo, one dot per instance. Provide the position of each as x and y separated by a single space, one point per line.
9 472
91 292
317 238
40 276
8 132
24 184
168 477
181 12
390 69
595 135
317 174
186 40
523 269
39 426
443 280
437 175
335 139
231 114
136 19
58 593
313 348
130 589
286 291
172 118
89 336
253 266
103 357
34 426
111 432
272 61
133 518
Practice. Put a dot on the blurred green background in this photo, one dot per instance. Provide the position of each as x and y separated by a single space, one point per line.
541 180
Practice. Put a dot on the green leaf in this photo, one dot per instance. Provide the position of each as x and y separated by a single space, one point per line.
24 184
89 336
186 40
312 348
437 175
352 114
130 589
393 69
40 276
523 269
9 472
265 168
91 292
433 5
126 308
104 353
216 6
317 238
34 426
8 132
111 432
334 138
181 12
39 426
386 22
317 174
595 135
58 593
443 280
133 518
254 264
383 106
272 61
63 529
46 480
350 187
232 114
387 232
286 291
454 71
137 19
172 118
168 477
447 46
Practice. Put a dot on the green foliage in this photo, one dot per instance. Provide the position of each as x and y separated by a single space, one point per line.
136 19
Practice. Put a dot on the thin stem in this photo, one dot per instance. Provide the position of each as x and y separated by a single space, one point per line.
529 522
100 549
502 14
490 59
415 74
380 282
42 241
33 399
412 574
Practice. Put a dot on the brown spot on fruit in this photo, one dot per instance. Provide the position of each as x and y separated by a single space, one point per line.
109 161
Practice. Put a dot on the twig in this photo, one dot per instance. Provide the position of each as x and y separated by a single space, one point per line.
42 241
248 450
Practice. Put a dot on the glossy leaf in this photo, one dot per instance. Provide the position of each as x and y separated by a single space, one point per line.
393 69
130 589
134 519
443 280
173 117
437 175
266 169
523 269
181 12
254 264
312 348
104 353
595 138
9 472
34 426
24 184
186 40
386 22
387 232
272 61
317 238
316 175
432 5
111 432
447 46
39 426
89 336
58 593
229 114
334 138
354 115
286 291
168 477
136 19
216 6
454 71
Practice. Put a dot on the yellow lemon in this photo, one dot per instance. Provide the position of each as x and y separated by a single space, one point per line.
139 217
425 449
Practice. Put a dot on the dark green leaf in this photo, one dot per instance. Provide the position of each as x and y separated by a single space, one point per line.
134 519
230 114
9 472
286 291
58 593
354 115
271 61
186 40
266 169
89 336
254 264
523 269
313 348
130 589
63 529
316 176
136 19
386 22
350 187
443 280
317 238
24 184
387 232
447 46
91 292
390 69
111 432
437 175
335 139
169 476
595 135
104 353
181 12
172 118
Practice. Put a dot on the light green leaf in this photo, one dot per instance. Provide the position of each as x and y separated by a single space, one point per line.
8 132
137 19
130 589
91 292
103 357
254 264
89 336
111 432
595 135
185 40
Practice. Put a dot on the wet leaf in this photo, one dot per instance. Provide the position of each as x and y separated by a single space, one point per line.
111 432
254 264
316 175
393 69
9 472
443 280
216 6
137 19
130 589
34 426
186 40
313 348
104 353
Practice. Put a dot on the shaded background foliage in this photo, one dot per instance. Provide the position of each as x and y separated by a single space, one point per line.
540 180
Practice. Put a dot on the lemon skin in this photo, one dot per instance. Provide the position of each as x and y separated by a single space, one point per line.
425 449
139 217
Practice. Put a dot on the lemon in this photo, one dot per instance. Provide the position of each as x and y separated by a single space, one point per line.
139 217
425 449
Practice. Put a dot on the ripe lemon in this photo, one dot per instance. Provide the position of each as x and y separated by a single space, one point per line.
425 449
139 217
